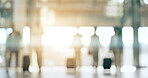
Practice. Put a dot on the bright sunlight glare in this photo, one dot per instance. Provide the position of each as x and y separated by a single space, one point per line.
143 38
127 35
26 35
58 36
105 34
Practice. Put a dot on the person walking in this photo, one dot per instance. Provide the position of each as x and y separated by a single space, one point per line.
12 46
94 48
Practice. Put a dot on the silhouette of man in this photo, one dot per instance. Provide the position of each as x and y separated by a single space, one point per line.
12 46
116 46
94 48
77 47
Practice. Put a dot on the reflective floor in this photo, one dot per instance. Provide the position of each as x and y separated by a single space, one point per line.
62 72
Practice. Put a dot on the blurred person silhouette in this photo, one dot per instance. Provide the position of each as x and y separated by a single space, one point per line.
38 47
94 48
12 46
77 47
39 53
116 46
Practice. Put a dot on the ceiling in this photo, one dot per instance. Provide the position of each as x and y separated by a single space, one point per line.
84 12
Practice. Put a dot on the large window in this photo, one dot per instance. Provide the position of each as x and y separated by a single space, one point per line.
143 40
57 42
127 37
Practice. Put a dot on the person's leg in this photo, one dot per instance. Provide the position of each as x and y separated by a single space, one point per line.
16 55
121 58
96 60
39 57
78 57
115 59
93 60
6 58
118 58
9 58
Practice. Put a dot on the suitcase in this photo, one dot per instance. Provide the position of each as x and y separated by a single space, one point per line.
71 63
26 63
107 62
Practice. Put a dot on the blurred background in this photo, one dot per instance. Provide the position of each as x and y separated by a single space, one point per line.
49 26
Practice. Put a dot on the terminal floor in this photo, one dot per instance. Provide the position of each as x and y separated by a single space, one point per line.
62 72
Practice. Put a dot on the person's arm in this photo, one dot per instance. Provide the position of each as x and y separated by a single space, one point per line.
20 40
8 43
111 45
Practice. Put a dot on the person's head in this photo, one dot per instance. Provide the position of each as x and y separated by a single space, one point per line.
95 30
117 30
13 27
77 29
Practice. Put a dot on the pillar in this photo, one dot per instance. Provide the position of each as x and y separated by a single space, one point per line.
19 14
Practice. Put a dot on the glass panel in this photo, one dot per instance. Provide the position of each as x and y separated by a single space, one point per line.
3 36
26 35
143 40
127 37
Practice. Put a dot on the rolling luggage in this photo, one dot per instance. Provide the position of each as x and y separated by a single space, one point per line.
107 62
26 63
71 63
